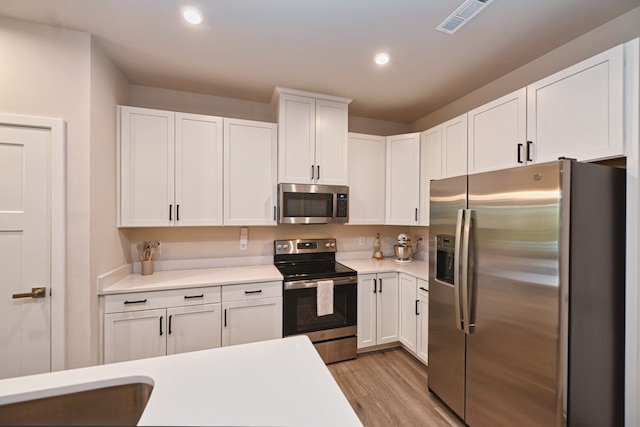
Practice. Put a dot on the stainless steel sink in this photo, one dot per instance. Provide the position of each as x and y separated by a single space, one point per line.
117 405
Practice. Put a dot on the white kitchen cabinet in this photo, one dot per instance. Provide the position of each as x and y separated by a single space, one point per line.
250 172
377 309
367 179
422 343
403 179
170 168
149 324
312 138
454 146
408 311
251 312
430 167
579 111
497 133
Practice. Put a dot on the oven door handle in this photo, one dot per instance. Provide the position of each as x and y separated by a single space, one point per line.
303 284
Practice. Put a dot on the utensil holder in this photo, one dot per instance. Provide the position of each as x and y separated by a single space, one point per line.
147 267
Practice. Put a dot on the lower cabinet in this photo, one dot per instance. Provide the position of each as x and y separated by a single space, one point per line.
414 315
156 323
377 309
252 312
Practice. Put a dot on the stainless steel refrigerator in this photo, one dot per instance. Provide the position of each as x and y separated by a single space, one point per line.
526 295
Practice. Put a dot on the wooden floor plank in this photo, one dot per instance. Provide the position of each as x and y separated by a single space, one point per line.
390 388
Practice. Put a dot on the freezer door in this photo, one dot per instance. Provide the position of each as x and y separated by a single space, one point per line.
446 340
513 360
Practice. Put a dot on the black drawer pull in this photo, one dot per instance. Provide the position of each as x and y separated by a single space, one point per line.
140 301
253 292
161 317
423 289
193 296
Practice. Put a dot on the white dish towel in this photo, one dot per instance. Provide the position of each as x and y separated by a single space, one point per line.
325 297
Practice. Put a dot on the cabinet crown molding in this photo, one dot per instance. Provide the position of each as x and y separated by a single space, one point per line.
285 91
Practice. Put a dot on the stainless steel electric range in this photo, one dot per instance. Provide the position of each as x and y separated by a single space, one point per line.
305 263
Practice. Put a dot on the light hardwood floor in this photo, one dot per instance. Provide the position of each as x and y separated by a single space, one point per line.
389 388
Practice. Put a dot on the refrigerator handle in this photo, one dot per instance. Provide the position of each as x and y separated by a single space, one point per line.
465 282
456 269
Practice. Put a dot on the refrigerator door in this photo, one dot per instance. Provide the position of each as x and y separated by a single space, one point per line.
446 339
513 371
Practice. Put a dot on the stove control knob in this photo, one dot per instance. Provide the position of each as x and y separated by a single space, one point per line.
279 247
285 246
333 245
327 245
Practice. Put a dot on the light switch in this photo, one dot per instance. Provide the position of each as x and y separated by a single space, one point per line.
244 238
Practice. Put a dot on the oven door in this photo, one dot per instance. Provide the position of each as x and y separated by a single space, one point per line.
300 306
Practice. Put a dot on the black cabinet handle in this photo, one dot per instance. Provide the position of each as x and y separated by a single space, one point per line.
311 172
177 212
225 317
380 290
375 285
318 177
417 305
161 317
416 214
423 289
169 331
529 144
170 210
520 153
274 213
140 301
253 292
193 296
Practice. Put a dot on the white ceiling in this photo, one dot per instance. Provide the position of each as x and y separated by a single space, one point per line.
245 48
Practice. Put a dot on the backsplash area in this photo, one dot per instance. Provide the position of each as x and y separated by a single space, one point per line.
194 243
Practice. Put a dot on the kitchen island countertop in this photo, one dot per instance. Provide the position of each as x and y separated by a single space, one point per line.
278 382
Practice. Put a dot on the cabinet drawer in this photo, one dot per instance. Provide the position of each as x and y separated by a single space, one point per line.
161 299
423 288
250 291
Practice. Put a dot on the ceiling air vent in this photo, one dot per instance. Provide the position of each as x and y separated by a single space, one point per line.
462 15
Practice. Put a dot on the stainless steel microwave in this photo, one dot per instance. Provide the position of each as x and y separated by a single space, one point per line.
312 204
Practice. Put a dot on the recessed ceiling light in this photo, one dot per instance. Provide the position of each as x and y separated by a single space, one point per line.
192 15
381 58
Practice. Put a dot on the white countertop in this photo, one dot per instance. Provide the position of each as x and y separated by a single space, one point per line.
179 279
280 382
417 268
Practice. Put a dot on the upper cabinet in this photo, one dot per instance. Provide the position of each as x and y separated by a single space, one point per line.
430 167
578 112
170 168
497 133
454 146
250 171
403 179
312 137
367 179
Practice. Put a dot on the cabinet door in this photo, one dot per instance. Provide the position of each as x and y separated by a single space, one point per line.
146 153
430 167
296 138
198 169
497 133
454 147
403 179
252 320
366 310
387 308
578 112
408 311
423 328
367 181
250 173
134 335
331 142
192 328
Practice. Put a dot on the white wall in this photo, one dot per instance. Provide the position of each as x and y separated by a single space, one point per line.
109 88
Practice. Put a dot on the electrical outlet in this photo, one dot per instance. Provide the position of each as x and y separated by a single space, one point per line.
361 240
244 238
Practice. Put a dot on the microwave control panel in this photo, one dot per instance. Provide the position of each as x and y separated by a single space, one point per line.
342 205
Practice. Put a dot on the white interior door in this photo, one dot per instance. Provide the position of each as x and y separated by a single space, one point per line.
25 250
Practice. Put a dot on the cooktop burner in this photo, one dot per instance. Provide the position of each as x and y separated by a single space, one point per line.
308 259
